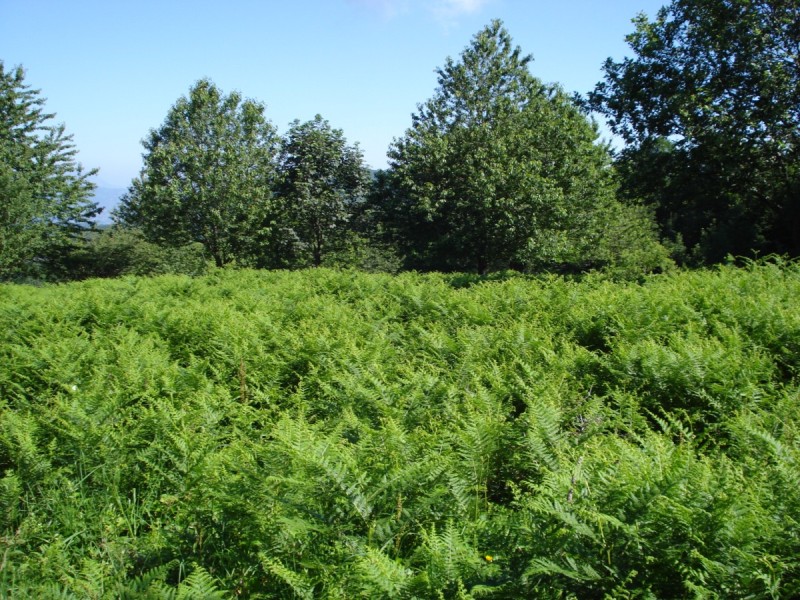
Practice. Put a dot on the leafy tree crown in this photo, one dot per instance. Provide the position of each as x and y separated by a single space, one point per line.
208 175
497 168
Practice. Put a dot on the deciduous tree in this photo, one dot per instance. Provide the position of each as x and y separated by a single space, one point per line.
208 177
710 107
497 169
323 178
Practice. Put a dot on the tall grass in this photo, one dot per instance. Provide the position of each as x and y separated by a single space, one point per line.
337 435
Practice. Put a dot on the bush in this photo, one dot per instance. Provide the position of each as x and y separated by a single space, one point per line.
117 251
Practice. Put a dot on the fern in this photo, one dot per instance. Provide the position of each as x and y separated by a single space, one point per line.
545 439
477 435
381 575
148 586
10 500
296 582
570 569
199 584
336 434
329 456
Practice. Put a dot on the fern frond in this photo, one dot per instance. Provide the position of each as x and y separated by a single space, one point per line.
199 585
296 582
149 585
382 574
571 570
545 437
447 556
330 456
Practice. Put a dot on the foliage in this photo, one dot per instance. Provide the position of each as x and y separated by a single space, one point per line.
336 434
364 253
323 178
116 251
208 177
626 242
497 169
710 106
45 197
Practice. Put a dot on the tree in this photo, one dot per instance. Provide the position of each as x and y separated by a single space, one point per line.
497 169
710 108
208 177
323 178
45 197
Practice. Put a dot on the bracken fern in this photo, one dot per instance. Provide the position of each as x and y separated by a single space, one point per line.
335 434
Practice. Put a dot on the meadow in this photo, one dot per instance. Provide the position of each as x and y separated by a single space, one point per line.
335 434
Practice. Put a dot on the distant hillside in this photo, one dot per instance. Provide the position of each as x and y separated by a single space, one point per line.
108 198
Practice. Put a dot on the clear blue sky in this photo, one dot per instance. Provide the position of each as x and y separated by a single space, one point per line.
111 69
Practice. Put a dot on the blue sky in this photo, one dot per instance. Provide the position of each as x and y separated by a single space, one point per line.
111 70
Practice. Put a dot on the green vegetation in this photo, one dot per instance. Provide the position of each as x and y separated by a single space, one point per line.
208 177
335 434
214 433
115 251
498 170
323 181
709 107
45 196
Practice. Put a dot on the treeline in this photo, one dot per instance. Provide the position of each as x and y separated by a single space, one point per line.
498 170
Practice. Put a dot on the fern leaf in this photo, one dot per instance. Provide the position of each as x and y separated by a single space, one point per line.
298 583
199 585
146 585
383 574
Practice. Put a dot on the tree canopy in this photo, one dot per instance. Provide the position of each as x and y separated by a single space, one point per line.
710 108
45 196
322 179
497 169
209 174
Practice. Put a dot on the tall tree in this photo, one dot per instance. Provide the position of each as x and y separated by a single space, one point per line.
208 177
323 178
497 168
45 196
710 108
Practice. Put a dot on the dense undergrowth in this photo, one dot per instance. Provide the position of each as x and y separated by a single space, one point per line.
342 435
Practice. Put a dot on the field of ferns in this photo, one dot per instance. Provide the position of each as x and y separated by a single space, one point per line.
335 434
